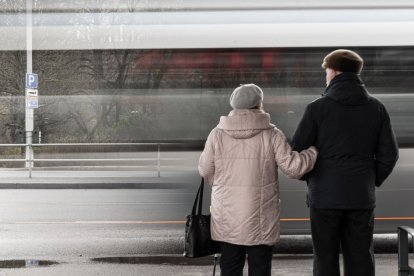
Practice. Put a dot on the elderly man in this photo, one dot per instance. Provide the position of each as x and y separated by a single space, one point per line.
357 152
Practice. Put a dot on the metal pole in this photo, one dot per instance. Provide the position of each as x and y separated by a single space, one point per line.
31 161
159 160
403 268
29 111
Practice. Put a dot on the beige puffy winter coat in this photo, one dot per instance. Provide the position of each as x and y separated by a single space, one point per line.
240 160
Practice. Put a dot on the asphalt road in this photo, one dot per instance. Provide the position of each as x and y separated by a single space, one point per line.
90 222
130 221
87 205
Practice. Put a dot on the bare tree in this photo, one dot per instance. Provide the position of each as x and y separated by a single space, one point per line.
105 70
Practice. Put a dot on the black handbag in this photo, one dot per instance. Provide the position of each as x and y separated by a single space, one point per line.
198 242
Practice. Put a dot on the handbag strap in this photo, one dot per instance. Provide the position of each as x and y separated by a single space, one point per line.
199 198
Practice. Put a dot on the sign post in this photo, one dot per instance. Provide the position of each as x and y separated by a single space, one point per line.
31 83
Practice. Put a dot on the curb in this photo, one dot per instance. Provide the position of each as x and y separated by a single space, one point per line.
115 185
288 244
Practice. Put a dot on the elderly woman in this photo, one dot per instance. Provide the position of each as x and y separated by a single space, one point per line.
240 161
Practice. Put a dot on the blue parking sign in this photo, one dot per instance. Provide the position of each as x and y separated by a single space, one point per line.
31 80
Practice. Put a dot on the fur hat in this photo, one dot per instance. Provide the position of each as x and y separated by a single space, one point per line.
246 96
343 61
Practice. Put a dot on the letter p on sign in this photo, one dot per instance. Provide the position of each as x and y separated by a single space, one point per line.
31 80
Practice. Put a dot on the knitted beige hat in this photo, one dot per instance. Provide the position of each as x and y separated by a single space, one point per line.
246 96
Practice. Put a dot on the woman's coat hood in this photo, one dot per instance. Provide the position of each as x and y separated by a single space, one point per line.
245 123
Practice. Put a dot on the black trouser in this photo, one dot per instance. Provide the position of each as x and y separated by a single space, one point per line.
350 230
259 259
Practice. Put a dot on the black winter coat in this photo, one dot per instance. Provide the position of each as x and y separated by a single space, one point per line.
357 146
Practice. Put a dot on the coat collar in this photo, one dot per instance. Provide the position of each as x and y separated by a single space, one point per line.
245 119
347 89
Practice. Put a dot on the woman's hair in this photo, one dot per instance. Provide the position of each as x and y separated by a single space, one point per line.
259 106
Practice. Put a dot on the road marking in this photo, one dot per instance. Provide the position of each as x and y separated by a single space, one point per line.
395 218
294 219
174 221
378 218
104 222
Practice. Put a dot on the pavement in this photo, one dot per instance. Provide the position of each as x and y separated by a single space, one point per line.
174 265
